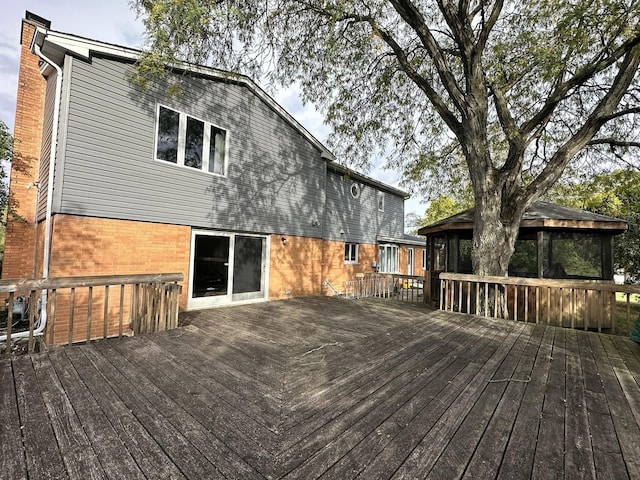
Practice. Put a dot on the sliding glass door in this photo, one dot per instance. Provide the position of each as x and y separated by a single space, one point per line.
227 267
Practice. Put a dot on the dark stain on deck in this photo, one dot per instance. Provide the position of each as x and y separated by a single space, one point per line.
327 388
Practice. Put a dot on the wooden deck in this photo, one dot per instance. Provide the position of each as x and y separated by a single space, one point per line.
327 388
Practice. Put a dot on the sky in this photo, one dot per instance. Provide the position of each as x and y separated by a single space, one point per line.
113 21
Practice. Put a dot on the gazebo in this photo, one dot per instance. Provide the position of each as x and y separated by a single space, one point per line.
554 242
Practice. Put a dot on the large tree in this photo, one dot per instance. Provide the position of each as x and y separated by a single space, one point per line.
517 90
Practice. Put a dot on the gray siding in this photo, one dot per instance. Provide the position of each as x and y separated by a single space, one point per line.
45 147
358 218
275 177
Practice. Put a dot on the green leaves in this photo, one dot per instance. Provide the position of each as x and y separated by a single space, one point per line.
6 156
6 144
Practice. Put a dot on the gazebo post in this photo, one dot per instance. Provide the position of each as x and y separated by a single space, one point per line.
540 250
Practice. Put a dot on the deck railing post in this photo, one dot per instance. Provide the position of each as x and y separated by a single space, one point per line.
72 303
105 314
51 317
7 347
89 312
33 308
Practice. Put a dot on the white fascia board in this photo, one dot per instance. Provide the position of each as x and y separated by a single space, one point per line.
382 239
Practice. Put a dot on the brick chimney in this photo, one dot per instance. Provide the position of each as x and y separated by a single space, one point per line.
20 257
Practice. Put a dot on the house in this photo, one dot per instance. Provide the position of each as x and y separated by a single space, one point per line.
217 182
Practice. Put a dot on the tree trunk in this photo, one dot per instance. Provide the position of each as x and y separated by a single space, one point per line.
495 232
494 237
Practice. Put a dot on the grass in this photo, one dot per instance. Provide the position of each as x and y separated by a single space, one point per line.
624 326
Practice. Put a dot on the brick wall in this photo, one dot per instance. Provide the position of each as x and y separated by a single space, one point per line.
97 246
20 236
404 260
295 268
337 272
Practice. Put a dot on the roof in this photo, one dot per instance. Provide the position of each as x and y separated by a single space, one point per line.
359 177
55 45
404 240
540 215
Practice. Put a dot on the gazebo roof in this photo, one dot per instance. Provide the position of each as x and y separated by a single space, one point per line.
540 215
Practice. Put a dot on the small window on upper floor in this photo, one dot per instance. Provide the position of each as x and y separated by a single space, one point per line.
381 201
355 190
350 253
189 142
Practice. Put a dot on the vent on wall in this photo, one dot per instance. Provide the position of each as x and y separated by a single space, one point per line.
355 190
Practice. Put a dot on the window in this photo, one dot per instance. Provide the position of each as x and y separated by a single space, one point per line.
465 248
388 258
189 142
574 255
355 190
439 254
381 201
350 253
168 127
424 258
524 261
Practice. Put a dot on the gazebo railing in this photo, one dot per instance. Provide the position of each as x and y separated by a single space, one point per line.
582 304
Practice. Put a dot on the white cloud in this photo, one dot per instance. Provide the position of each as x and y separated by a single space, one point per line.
112 22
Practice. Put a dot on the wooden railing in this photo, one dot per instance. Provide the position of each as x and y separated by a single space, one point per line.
408 288
86 308
583 304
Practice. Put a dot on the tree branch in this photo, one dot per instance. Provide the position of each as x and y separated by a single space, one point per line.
412 16
622 113
436 100
613 142
553 170
488 26
578 79
405 64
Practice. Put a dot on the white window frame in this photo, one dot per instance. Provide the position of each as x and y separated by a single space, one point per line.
182 138
424 258
389 258
380 200
347 258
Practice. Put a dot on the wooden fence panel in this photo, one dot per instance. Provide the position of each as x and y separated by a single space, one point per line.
564 303
81 309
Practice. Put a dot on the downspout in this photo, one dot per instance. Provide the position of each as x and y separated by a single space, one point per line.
42 321
52 163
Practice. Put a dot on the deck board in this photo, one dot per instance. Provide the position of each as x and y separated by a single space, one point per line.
548 461
43 457
12 459
143 448
327 388
77 450
103 436
485 463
